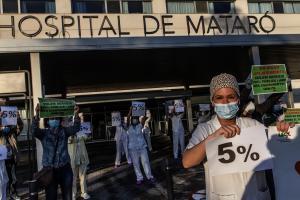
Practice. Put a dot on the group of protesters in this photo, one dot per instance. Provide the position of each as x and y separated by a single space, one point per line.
64 149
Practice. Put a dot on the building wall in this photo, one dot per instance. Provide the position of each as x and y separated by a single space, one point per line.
63 6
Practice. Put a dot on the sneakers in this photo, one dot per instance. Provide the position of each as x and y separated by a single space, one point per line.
152 180
85 196
139 182
116 166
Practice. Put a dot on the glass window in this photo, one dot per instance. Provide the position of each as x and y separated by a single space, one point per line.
201 7
221 7
288 7
296 7
265 7
38 6
278 7
147 7
181 7
137 6
253 7
113 6
88 6
10 6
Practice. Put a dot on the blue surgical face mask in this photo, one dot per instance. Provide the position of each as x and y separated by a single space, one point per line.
135 121
6 131
54 123
227 111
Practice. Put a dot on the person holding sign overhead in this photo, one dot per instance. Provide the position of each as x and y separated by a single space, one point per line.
178 130
11 127
54 139
79 160
138 149
225 97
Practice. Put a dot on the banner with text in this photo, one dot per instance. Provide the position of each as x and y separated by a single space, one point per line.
242 153
56 107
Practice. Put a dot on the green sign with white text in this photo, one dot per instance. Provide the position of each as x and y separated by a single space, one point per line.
268 79
56 107
292 115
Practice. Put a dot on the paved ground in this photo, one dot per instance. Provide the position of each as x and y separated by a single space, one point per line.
107 183
120 183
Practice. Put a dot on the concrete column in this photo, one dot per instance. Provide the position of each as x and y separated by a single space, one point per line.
37 92
189 113
241 6
159 6
63 6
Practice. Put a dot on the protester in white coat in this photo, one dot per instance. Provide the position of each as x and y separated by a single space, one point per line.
79 161
138 150
249 185
178 133
121 138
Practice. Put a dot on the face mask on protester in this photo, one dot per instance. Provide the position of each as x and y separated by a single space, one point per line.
277 108
5 131
226 111
54 123
135 121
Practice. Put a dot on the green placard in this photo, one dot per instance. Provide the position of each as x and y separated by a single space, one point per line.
292 115
56 107
268 79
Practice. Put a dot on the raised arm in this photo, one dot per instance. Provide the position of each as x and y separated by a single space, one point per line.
72 130
129 116
35 127
20 125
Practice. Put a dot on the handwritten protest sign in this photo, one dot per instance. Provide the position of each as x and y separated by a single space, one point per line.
286 171
138 108
56 107
179 105
292 115
115 118
268 79
85 128
204 107
242 153
9 116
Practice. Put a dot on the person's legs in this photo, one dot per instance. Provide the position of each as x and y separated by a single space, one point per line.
82 178
118 152
3 191
10 179
175 144
181 141
75 174
66 182
51 190
125 146
135 156
146 163
148 140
